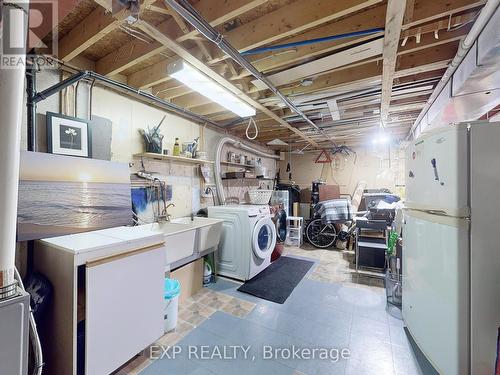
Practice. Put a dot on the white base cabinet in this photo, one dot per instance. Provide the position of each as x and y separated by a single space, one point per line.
124 309
116 289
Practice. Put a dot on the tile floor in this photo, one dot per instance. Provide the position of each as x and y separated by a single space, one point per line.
330 309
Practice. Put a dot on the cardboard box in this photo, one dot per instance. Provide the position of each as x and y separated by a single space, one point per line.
191 278
327 192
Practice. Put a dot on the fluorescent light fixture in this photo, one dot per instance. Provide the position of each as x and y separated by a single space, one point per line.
199 82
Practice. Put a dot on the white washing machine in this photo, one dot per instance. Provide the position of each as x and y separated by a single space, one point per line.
247 241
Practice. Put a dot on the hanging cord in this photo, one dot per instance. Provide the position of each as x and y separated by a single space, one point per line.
250 122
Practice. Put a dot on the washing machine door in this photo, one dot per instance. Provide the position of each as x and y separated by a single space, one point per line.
264 238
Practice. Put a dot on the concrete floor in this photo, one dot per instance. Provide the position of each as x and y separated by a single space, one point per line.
330 309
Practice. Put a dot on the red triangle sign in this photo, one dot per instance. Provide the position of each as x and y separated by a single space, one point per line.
327 159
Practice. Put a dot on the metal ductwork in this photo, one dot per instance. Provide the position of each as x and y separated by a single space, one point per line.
186 11
470 86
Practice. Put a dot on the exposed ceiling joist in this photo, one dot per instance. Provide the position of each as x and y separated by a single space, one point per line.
438 26
201 66
426 44
368 19
217 12
159 9
393 23
289 20
434 10
95 26
346 99
136 51
185 29
344 58
373 17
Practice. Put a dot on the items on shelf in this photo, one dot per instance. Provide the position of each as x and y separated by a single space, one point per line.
240 159
177 148
152 138
189 148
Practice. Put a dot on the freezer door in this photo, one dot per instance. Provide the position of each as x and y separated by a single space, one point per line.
437 172
435 288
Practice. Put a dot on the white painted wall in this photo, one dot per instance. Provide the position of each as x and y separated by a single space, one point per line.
379 167
128 116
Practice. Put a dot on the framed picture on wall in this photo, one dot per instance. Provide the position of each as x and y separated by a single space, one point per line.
68 135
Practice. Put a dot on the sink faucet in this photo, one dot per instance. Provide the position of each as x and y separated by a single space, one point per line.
165 213
192 216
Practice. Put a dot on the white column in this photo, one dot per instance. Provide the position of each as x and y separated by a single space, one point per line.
11 102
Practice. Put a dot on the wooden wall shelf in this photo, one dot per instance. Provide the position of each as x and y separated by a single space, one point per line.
178 159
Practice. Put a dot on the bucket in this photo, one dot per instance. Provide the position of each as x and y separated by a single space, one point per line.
172 289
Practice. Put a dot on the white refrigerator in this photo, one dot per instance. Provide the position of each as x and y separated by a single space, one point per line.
451 247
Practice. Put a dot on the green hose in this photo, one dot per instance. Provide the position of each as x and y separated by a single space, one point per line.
393 239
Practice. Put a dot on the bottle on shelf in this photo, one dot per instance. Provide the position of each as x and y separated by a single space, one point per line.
177 148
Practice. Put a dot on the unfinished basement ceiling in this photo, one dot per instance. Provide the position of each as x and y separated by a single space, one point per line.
341 84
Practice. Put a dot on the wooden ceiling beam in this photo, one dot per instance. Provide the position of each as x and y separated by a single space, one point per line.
217 12
191 100
368 74
100 22
430 74
370 18
289 20
394 21
89 31
159 9
373 17
196 63
427 42
136 51
439 26
185 29
427 11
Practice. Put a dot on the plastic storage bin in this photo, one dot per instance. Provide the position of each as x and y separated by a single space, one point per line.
172 290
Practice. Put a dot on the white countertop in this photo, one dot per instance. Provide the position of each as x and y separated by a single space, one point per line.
121 239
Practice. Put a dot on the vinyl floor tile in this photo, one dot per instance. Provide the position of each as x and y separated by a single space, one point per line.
330 308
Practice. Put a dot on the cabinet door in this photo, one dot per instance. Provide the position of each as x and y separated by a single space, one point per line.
124 308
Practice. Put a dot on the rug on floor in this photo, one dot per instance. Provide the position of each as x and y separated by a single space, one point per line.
277 281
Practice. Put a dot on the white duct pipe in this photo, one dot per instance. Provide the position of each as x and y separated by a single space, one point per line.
11 102
466 44
218 179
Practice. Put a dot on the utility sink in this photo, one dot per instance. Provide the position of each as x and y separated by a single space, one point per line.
179 239
208 231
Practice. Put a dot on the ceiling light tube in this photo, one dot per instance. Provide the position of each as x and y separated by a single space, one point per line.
199 82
